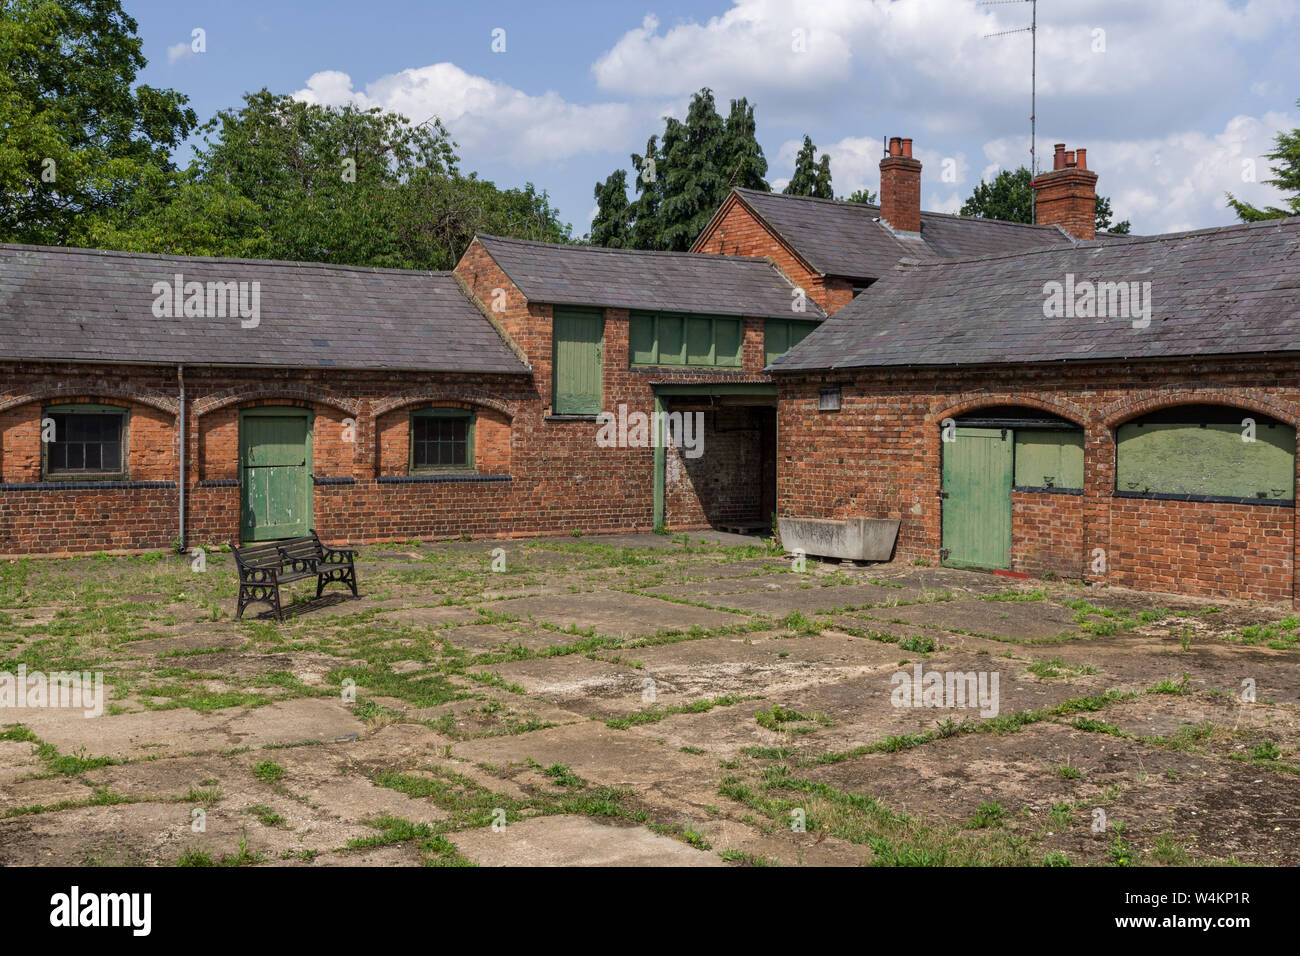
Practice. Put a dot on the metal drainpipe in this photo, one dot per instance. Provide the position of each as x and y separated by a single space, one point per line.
180 379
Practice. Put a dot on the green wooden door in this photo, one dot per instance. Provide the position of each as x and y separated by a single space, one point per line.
276 480
579 360
977 471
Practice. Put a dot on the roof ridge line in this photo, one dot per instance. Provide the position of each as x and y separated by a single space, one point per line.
1094 244
170 256
607 249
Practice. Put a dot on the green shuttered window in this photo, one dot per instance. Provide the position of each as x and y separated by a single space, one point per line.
1207 457
781 335
578 353
679 338
1049 459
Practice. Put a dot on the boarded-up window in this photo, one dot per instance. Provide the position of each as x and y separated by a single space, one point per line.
678 338
1049 458
579 354
1213 452
781 335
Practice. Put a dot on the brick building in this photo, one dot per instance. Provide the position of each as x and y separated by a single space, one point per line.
1151 446
378 404
146 400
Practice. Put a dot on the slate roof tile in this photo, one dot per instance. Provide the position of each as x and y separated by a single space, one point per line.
636 279
93 305
1225 291
847 238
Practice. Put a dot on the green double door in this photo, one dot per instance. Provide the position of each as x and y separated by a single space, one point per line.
275 460
977 475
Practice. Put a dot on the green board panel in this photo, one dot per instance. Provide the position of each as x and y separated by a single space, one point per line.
699 340
729 335
776 339
1211 459
276 481
641 334
578 361
977 471
781 335
1049 459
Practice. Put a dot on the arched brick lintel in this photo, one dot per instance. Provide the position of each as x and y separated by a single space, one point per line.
956 405
249 393
479 399
1246 399
122 393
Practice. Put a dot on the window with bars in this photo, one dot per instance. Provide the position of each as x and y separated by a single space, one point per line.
84 441
441 439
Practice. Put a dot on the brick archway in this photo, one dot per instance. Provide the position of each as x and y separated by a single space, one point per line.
124 393
249 393
384 406
971 401
1248 400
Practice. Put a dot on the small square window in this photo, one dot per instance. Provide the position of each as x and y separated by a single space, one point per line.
84 442
828 400
441 438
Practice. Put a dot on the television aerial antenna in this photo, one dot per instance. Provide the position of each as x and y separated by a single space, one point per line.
1032 30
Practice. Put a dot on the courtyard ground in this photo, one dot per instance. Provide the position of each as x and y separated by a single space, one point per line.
656 700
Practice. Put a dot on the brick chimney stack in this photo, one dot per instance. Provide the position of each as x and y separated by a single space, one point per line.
900 187
1067 196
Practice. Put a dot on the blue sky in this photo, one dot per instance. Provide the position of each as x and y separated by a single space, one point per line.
1175 100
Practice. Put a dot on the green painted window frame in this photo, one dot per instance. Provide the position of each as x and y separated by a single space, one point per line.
1198 457
1066 465
658 339
120 473
442 412
593 408
777 336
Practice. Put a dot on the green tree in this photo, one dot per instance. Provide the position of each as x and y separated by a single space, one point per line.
612 225
742 158
683 178
1286 170
1010 198
694 183
650 191
282 179
1103 218
864 195
811 176
79 135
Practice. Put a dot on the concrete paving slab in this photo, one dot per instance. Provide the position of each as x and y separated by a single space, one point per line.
577 841
615 613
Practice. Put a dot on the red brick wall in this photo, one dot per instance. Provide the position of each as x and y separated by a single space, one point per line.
736 231
880 457
1046 533
152 447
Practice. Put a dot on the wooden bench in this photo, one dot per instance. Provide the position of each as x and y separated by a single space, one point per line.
263 567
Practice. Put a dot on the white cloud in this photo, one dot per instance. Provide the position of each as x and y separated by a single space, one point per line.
931 58
1176 181
485 117
796 45
855 164
179 51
